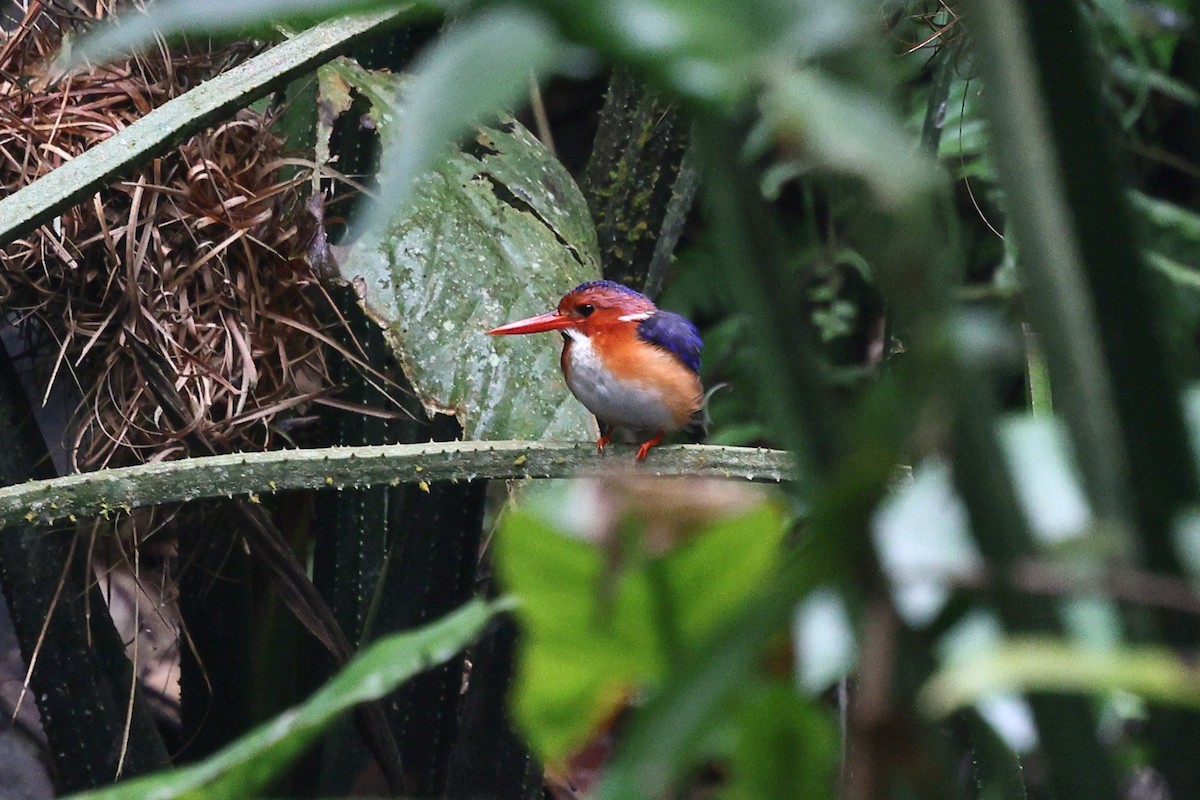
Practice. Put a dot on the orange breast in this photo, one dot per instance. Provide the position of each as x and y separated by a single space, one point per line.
633 361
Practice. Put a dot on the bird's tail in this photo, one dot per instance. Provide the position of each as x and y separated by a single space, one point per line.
696 431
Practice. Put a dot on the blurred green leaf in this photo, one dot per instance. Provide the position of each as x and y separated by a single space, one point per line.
1140 76
975 635
139 28
1060 303
578 659
1118 13
783 747
964 132
711 50
1172 250
476 69
1191 414
499 231
245 767
1187 527
921 529
1170 228
670 731
1055 666
594 631
834 126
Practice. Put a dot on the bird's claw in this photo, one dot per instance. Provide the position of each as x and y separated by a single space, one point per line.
645 448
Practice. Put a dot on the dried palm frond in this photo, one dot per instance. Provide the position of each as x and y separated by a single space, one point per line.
197 257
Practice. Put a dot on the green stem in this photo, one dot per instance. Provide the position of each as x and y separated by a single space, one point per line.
108 491
1052 262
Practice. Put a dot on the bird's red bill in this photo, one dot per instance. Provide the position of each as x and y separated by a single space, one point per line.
550 321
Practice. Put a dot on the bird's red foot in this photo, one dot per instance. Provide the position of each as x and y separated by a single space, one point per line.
603 441
645 448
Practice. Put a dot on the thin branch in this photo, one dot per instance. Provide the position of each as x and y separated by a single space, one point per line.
108 491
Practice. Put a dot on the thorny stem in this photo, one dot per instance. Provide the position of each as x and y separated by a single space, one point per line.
109 491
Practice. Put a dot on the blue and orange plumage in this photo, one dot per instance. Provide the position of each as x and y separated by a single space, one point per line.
630 363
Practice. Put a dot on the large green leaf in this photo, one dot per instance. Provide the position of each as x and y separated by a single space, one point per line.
783 746
246 766
498 230
593 632
477 68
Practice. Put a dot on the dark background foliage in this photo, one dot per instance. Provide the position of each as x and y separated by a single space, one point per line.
944 253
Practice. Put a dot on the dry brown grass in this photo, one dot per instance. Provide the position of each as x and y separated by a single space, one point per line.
198 256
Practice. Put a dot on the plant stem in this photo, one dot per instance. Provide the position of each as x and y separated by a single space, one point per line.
109 491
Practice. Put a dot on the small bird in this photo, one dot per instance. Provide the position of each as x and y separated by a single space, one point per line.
631 364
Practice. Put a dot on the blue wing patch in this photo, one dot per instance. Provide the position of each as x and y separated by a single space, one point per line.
675 333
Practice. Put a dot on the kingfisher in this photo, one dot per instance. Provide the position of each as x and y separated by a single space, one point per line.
633 365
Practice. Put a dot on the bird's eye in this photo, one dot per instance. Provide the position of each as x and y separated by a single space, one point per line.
585 309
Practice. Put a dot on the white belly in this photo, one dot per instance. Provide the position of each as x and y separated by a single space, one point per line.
626 404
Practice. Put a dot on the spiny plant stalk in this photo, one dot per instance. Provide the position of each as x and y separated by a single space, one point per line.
107 492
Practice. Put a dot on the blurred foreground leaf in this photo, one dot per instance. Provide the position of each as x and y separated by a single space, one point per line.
711 50
245 767
836 127
783 747
476 70
139 28
1050 665
598 625
920 568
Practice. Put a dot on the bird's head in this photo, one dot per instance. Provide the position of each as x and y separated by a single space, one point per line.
586 309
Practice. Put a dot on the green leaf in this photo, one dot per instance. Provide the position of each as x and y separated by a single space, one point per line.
1139 75
478 68
1051 665
578 659
249 764
499 231
1008 714
711 50
783 747
169 124
1087 288
136 29
594 632
670 729
836 127
1172 229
